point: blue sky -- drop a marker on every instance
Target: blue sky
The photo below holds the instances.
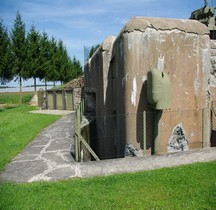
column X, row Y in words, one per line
column 80, row 23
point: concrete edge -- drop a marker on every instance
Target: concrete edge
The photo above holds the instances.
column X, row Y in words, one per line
column 138, row 164
column 52, row 112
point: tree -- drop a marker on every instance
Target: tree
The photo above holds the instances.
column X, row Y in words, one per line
column 48, row 59
column 77, row 68
column 6, row 74
column 19, row 50
column 63, row 62
column 92, row 50
column 44, row 56
column 52, row 73
column 33, row 54
column 74, row 69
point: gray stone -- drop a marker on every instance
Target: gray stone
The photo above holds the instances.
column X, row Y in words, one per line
column 62, row 173
column 25, row 157
column 130, row 150
column 23, row 171
column 59, row 144
column 57, row 158
column 32, row 150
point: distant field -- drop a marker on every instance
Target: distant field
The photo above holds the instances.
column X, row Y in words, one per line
column 17, row 93
column 14, row 98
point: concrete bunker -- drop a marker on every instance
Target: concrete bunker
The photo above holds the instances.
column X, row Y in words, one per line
column 117, row 76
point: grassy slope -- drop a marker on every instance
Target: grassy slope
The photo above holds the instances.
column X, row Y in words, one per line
column 186, row 187
column 17, row 128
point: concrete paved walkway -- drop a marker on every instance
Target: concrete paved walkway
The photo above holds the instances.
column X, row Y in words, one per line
column 48, row 158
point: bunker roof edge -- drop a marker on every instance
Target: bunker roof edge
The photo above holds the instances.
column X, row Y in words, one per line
column 139, row 23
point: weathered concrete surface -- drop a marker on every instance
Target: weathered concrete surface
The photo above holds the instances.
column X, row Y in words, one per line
column 187, row 26
column 179, row 48
column 213, row 71
column 48, row 158
column 135, row 164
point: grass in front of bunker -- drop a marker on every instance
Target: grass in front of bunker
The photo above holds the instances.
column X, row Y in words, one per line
column 185, row 187
column 17, row 128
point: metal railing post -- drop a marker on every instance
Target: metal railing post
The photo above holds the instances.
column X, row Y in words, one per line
column 76, row 137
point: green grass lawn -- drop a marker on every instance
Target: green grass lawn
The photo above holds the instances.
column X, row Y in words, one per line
column 186, row 187
column 17, row 128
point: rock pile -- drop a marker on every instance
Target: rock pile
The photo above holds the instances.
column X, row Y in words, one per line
column 76, row 83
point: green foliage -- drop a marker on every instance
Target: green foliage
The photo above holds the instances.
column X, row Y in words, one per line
column 26, row 98
column 61, row 67
column 25, row 55
column 5, row 55
column 53, row 72
column 43, row 56
column 33, row 51
column 93, row 49
column 73, row 70
column 77, row 70
column 17, row 128
column 187, row 187
column 19, row 48
column 62, row 62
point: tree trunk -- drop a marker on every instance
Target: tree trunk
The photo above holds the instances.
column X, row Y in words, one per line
column 35, row 85
column 45, row 84
column 20, row 90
